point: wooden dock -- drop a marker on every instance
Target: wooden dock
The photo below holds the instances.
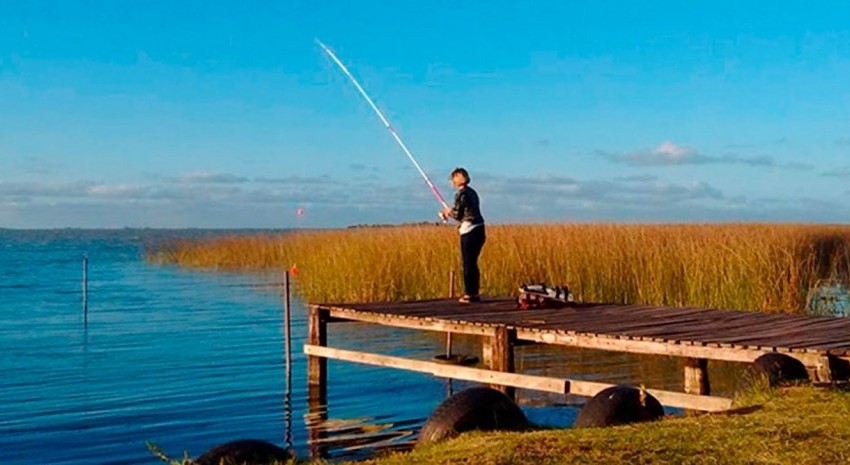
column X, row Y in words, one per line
column 695, row 334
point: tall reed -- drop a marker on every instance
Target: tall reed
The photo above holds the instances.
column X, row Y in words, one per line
column 766, row 267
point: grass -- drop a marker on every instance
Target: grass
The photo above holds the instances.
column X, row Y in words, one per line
column 765, row 267
column 799, row 426
column 794, row 426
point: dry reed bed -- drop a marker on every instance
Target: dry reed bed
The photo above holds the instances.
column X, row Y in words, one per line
column 767, row 267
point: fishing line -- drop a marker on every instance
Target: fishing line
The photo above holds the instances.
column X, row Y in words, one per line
column 386, row 123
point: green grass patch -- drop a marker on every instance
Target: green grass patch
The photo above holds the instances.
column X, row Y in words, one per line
column 801, row 425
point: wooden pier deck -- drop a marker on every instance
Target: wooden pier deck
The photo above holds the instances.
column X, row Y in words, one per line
column 695, row 334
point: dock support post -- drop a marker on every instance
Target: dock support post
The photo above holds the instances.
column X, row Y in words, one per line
column 317, row 382
column 317, row 367
column 823, row 369
column 501, row 355
column 696, row 376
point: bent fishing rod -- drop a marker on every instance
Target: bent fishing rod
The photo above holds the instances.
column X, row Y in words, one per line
column 386, row 123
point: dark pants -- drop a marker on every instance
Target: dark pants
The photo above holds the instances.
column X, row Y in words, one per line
column 470, row 248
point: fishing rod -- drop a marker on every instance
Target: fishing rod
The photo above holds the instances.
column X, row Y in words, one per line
column 387, row 124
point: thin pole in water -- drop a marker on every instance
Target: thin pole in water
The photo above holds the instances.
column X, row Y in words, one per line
column 287, row 335
column 287, row 323
column 85, row 290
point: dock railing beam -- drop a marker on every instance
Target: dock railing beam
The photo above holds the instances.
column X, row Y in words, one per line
column 537, row 383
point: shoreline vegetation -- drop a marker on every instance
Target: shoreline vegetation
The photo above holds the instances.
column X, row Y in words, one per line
column 803, row 425
column 761, row 267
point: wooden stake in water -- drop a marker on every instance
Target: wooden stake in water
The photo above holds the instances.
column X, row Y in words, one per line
column 287, row 335
column 287, row 323
column 85, row 290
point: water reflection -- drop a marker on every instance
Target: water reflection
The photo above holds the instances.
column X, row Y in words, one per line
column 359, row 437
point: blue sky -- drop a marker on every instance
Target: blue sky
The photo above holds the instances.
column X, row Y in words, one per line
column 227, row 114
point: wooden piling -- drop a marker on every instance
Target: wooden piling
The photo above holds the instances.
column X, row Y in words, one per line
column 696, row 376
column 823, row 369
column 317, row 383
column 502, row 356
column 487, row 351
column 317, row 334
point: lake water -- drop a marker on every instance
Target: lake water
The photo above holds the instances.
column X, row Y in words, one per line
column 188, row 360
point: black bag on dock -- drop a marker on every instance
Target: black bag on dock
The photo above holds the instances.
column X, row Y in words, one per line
column 543, row 296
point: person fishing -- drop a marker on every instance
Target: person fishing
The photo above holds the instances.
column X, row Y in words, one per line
column 467, row 212
column 466, row 209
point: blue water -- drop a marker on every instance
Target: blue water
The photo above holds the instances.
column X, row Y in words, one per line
column 188, row 360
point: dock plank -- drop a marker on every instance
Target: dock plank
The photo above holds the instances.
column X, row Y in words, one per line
column 700, row 328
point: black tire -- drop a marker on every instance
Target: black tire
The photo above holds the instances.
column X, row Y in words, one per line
column 244, row 452
column 476, row 408
column 778, row 369
column 619, row 405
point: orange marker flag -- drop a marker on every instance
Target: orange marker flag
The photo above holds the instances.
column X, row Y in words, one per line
column 294, row 270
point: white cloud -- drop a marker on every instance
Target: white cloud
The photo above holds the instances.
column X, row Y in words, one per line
column 259, row 203
column 640, row 192
column 640, row 199
column 120, row 191
column 671, row 154
column 298, row 180
column 637, row 178
column 224, row 189
column 213, row 178
column 674, row 153
column 842, row 172
column 667, row 153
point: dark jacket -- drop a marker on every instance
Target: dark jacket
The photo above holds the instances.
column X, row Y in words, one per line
column 466, row 206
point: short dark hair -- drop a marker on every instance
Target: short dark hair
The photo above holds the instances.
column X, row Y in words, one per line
column 461, row 172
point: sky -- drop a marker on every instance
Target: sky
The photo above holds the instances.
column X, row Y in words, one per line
column 227, row 114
